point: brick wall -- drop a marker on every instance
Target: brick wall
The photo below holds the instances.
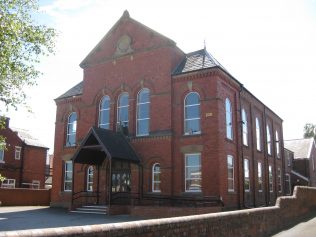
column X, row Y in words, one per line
column 253, row 222
column 24, row 197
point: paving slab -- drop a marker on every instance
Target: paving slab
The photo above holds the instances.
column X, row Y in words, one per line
column 303, row 229
column 38, row 217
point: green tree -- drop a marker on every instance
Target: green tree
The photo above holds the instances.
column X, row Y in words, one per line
column 22, row 44
column 310, row 130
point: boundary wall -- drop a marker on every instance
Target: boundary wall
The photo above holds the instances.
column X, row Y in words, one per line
column 257, row 222
column 24, row 197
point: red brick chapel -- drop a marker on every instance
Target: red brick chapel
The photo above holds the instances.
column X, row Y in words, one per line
column 152, row 125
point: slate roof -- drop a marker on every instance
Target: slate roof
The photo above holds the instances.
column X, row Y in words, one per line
column 28, row 139
column 197, row 60
column 300, row 147
column 115, row 143
column 74, row 91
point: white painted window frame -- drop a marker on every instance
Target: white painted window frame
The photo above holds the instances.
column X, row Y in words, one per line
column 185, row 175
column 244, row 127
column 139, row 120
column 17, row 152
column 153, row 178
column 65, row 175
column 102, row 110
column 246, row 175
column 230, row 167
column 194, row 118
column 258, row 134
column 229, row 119
column 119, row 107
column 90, row 173
column 260, row 180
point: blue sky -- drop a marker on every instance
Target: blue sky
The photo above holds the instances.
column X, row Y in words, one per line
column 269, row 46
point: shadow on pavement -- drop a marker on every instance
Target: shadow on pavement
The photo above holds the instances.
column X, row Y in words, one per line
column 21, row 218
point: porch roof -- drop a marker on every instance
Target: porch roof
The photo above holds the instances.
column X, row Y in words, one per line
column 100, row 144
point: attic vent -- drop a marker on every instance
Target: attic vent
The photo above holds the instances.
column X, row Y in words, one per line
column 123, row 45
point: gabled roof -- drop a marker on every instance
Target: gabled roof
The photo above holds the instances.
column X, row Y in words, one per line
column 301, row 147
column 27, row 138
column 100, row 144
column 299, row 175
column 124, row 17
column 74, row 91
column 195, row 61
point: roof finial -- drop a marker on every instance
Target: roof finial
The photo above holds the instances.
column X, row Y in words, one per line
column 204, row 44
column 126, row 14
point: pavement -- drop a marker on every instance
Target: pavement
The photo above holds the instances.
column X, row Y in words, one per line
column 38, row 217
column 303, row 229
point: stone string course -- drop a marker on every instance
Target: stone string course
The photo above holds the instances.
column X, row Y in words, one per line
column 251, row 222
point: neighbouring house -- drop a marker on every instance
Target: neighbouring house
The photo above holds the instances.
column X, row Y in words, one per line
column 304, row 168
column 152, row 125
column 288, row 166
column 23, row 160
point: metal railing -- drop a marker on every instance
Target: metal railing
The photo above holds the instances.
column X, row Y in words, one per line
column 126, row 198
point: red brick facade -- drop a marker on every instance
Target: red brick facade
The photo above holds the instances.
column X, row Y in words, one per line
column 149, row 62
column 29, row 166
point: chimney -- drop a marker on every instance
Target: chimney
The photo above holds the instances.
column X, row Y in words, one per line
column 7, row 122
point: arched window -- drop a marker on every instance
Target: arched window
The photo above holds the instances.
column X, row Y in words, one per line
column 156, row 178
column 71, row 129
column 122, row 110
column 104, row 112
column 143, row 112
column 258, row 135
column 277, row 144
column 244, row 127
column 90, row 179
column 192, row 113
column 229, row 119
column 268, row 140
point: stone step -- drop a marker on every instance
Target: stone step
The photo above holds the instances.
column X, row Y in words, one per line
column 92, row 209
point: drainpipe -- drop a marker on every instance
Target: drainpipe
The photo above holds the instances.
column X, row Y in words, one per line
column 73, row 184
column 241, row 157
column 253, row 157
column 266, row 160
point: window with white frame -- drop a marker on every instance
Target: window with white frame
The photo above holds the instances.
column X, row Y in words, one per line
column 71, row 129
column 244, row 127
column 258, row 135
column 287, row 184
column 90, row 179
column 268, row 140
column 246, row 175
column 192, row 114
column 270, row 179
column 230, row 173
column 277, row 144
column 36, row 184
column 17, row 154
column 104, row 112
column 1, row 155
column 279, row 180
column 8, row 183
column 193, row 172
column 260, row 181
column 122, row 109
column 156, row 178
column 289, row 158
column 143, row 112
column 68, row 176
column 229, row 119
